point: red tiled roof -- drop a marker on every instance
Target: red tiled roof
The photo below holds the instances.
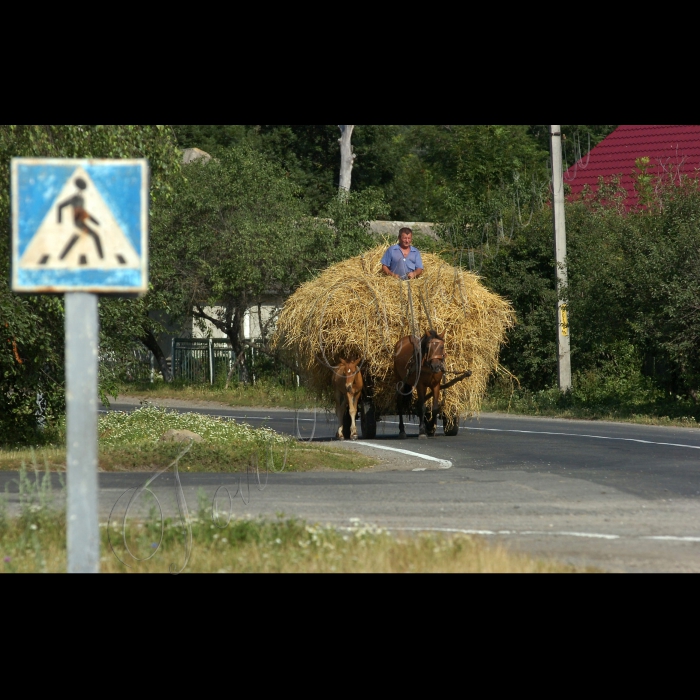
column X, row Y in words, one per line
column 673, row 148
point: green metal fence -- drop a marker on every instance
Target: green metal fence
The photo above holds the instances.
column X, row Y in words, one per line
column 192, row 359
column 200, row 360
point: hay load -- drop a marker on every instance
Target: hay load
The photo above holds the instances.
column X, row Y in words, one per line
column 352, row 309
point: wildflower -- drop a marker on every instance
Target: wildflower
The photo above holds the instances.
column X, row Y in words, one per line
column 154, row 545
column 7, row 560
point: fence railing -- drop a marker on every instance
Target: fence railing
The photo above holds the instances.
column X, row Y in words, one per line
column 193, row 359
column 201, row 360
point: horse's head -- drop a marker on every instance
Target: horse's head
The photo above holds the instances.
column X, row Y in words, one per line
column 433, row 351
column 349, row 370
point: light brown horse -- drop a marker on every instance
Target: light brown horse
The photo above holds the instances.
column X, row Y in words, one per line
column 347, row 381
column 420, row 363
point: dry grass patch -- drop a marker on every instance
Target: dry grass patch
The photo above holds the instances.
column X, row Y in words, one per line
column 259, row 546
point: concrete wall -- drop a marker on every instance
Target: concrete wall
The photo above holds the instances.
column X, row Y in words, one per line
column 251, row 324
column 391, row 228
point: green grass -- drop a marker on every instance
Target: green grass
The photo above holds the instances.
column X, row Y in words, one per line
column 266, row 393
column 594, row 399
column 131, row 442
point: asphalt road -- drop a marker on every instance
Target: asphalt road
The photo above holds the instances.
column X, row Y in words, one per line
column 617, row 496
column 647, row 461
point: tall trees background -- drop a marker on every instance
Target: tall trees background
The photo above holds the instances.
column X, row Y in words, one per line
column 264, row 215
column 420, row 170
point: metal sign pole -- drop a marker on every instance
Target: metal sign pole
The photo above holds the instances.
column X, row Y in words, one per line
column 83, row 529
column 563, row 355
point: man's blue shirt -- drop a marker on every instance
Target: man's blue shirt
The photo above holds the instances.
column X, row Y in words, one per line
column 397, row 264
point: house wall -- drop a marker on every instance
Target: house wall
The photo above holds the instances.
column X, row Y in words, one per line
column 251, row 323
column 391, row 228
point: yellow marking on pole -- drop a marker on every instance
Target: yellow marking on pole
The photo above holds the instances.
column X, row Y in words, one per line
column 564, row 320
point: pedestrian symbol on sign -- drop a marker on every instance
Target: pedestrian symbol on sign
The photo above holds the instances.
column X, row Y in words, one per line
column 79, row 218
column 79, row 231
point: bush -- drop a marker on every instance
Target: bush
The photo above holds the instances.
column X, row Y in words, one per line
column 634, row 282
column 31, row 327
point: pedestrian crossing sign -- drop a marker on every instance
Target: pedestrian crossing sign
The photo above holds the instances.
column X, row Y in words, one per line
column 79, row 225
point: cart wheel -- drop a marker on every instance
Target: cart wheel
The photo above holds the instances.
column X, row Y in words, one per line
column 450, row 426
column 368, row 422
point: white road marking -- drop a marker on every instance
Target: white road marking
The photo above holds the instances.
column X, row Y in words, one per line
column 444, row 463
column 592, row 535
column 597, row 437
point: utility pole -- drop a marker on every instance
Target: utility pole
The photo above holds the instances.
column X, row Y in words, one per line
column 346, row 156
column 563, row 351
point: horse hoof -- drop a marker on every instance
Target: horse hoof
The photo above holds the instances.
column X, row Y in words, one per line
column 353, row 437
column 341, row 438
column 422, row 436
column 402, row 436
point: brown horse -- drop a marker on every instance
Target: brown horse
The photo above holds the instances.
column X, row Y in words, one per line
column 347, row 381
column 419, row 363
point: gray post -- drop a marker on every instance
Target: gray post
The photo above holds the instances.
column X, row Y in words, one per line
column 83, row 530
column 563, row 355
column 211, row 361
column 172, row 358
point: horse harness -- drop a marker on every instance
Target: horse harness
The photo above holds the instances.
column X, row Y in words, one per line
column 432, row 362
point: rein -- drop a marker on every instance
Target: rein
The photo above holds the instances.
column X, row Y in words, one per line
column 435, row 358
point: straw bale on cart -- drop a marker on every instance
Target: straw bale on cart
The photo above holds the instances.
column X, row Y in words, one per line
column 353, row 309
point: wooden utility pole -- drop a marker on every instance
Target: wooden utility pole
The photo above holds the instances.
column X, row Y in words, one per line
column 563, row 354
column 346, row 156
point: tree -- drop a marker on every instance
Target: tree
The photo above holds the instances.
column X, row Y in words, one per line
column 309, row 154
column 591, row 134
column 237, row 233
column 31, row 351
column 417, row 168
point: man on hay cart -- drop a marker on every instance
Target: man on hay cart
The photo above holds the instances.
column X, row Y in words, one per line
column 402, row 260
